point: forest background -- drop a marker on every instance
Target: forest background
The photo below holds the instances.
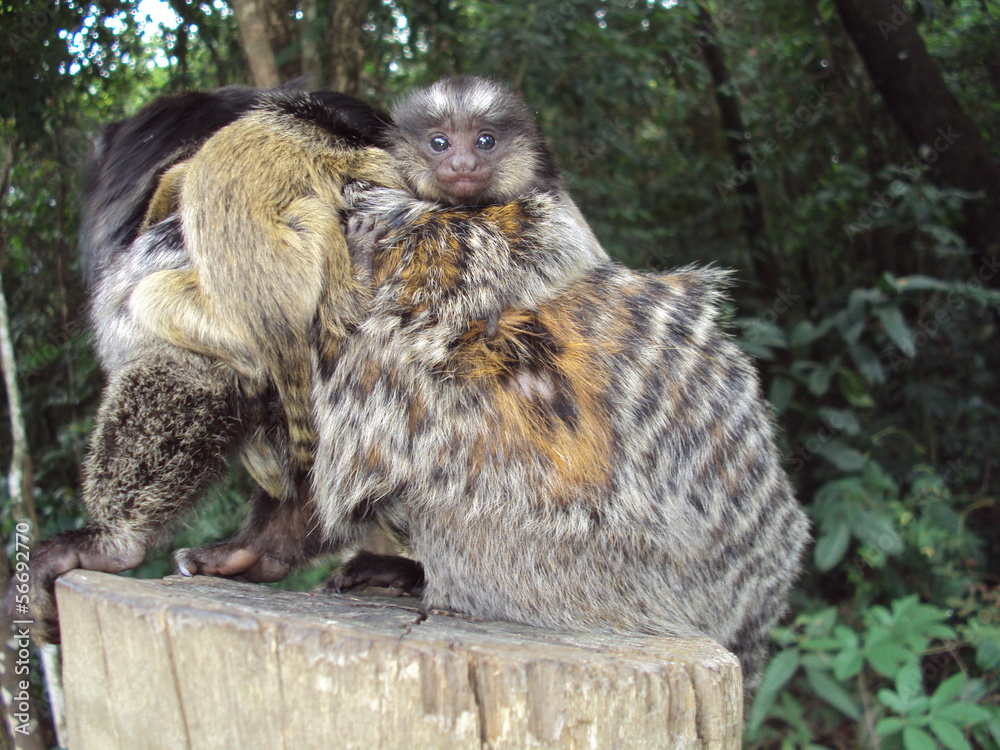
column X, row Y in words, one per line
column 842, row 155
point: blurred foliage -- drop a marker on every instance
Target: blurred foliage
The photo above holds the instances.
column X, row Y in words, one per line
column 878, row 350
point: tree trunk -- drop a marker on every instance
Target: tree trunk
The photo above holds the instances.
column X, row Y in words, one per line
column 19, row 481
column 943, row 136
column 345, row 40
column 744, row 182
column 252, row 20
column 311, row 58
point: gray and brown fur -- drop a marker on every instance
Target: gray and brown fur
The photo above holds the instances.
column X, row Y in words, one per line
column 521, row 164
column 171, row 420
column 606, row 462
column 259, row 205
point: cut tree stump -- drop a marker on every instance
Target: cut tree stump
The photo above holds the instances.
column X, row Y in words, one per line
column 207, row 663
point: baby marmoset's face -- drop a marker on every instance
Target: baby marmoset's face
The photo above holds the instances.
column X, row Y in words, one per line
column 470, row 141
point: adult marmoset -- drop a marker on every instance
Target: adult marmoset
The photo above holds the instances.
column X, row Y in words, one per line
column 605, row 461
column 171, row 419
column 259, row 204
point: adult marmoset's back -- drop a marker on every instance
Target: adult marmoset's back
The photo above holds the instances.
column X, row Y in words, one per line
column 605, row 461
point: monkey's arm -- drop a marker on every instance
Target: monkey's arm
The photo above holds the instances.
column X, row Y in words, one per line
column 166, row 199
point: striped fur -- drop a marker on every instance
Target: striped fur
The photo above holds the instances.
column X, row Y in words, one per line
column 604, row 462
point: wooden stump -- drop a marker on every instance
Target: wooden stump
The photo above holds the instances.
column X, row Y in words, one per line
column 207, row 663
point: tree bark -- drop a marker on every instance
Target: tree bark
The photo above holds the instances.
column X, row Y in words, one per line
column 943, row 136
column 251, row 18
column 345, row 41
column 311, row 58
column 19, row 481
column 754, row 223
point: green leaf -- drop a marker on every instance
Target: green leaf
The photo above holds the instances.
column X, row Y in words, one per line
column 804, row 333
column 833, row 693
column 844, row 458
column 819, row 379
column 878, row 478
column 861, row 297
column 963, row 713
column 889, row 726
column 891, row 700
column 897, row 329
column 780, row 670
column 780, row 394
column 868, row 364
column 755, row 350
column 917, row 283
column 847, row 636
column 886, row 658
column 909, row 684
column 823, row 622
column 948, row 691
column 847, row 664
column 918, row 739
column 950, row 735
column 831, row 545
column 987, row 642
column 840, row 420
column 762, row 332
column 854, row 390
column 878, row 531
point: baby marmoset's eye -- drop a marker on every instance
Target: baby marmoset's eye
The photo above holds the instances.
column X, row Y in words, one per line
column 439, row 143
column 486, row 142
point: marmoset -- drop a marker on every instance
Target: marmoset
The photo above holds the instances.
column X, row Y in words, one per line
column 605, row 461
column 171, row 419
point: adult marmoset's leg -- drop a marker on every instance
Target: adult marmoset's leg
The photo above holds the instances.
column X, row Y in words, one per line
column 277, row 536
column 164, row 433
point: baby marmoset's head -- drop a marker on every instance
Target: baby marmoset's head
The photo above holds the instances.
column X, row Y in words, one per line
column 470, row 141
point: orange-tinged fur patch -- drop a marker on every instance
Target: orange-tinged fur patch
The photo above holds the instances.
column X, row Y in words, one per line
column 577, row 444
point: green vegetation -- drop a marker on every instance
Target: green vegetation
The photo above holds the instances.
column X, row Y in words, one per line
column 876, row 336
